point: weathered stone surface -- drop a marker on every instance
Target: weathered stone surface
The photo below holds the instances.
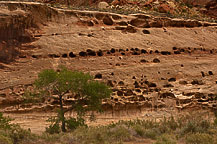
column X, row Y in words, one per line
column 164, row 8
column 90, row 42
column 103, row 5
column 107, row 20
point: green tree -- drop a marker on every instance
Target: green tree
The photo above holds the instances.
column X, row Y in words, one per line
column 87, row 92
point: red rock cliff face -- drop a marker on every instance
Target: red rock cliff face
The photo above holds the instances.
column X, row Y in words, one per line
column 17, row 24
column 12, row 33
column 197, row 2
column 212, row 8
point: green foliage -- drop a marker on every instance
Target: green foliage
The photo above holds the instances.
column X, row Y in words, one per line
column 54, row 127
column 5, row 122
column 215, row 120
column 167, row 131
column 5, row 140
column 18, row 134
column 166, row 139
column 87, row 92
column 73, row 123
column 32, row 97
column 194, row 126
column 199, row 138
column 12, row 133
column 102, row 134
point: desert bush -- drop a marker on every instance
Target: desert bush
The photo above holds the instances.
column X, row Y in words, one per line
column 120, row 133
column 18, row 135
column 151, row 133
column 5, row 122
column 5, row 140
column 53, row 128
column 195, row 126
column 90, row 135
column 140, row 131
column 189, row 129
column 199, row 138
column 73, row 123
column 101, row 134
column 12, row 133
column 166, row 139
column 215, row 120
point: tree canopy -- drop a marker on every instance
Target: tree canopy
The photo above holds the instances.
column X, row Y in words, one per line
column 87, row 92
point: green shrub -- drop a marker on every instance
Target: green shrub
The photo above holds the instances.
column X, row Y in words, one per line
column 12, row 132
column 5, row 122
column 120, row 133
column 5, row 140
column 166, row 139
column 215, row 121
column 53, row 128
column 195, row 126
column 199, row 138
column 140, row 131
column 86, row 135
column 73, row 123
column 151, row 133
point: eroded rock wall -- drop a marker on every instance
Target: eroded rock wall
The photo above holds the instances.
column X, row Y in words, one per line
column 146, row 60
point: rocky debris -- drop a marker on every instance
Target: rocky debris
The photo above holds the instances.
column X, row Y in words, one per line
column 150, row 84
column 64, row 55
column 211, row 9
column 156, row 60
column 99, row 53
column 146, row 31
column 120, row 2
column 130, row 29
column 165, row 8
column 167, row 95
column 91, row 52
column 165, row 53
column 72, row 55
column 183, row 82
column 82, row 53
column 168, row 85
column 171, row 79
column 140, row 23
column 98, row 76
column 210, row 73
column 112, row 50
column 103, row 5
column 110, row 83
column 121, row 83
column 197, row 82
column 143, row 61
column 107, row 20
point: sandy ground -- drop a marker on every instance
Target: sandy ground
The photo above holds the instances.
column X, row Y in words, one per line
column 36, row 122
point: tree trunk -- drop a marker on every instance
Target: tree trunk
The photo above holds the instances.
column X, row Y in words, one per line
column 62, row 117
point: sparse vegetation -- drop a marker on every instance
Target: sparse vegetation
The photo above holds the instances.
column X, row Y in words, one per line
column 12, row 133
column 166, row 131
